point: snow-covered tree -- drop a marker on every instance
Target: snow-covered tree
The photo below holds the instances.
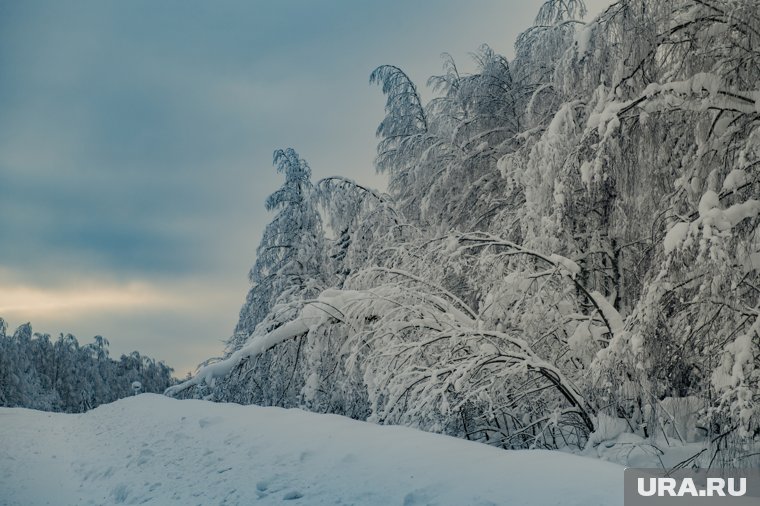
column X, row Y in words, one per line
column 64, row 376
column 289, row 259
column 569, row 250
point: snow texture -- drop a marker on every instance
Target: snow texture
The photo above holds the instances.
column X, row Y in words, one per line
column 735, row 179
column 567, row 265
column 150, row 449
column 609, row 312
column 675, row 237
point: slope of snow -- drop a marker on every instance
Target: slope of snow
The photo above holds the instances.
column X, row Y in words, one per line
column 152, row 449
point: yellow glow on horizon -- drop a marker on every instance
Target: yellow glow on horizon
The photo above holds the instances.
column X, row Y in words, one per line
column 24, row 301
column 136, row 314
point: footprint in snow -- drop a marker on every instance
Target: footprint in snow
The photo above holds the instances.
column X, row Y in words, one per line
column 205, row 422
column 144, row 457
column 120, row 493
column 292, row 495
column 416, row 497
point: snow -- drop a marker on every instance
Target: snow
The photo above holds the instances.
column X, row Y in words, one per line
column 583, row 39
column 694, row 85
column 725, row 219
column 569, row 267
column 607, row 429
column 709, row 201
column 675, row 237
column 734, row 180
column 732, row 379
column 609, row 312
column 586, row 173
column 151, row 449
column 711, row 216
column 705, row 81
column 560, row 122
column 559, row 195
column 503, row 164
column 313, row 314
column 740, row 212
column 331, row 304
column 582, row 339
column 680, row 418
column 606, row 121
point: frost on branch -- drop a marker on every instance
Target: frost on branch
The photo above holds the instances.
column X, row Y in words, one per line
column 568, row 253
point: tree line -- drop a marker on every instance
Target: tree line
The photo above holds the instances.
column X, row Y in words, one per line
column 38, row 372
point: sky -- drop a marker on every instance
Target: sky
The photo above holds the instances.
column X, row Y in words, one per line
column 136, row 144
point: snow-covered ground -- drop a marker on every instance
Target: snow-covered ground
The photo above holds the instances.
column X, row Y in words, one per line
column 152, row 449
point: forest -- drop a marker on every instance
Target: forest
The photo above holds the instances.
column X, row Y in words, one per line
column 567, row 255
column 61, row 375
column 568, row 250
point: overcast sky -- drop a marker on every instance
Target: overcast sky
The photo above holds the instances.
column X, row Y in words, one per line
column 136, row 140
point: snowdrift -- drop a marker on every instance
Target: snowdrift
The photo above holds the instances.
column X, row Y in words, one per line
column 151, row 449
